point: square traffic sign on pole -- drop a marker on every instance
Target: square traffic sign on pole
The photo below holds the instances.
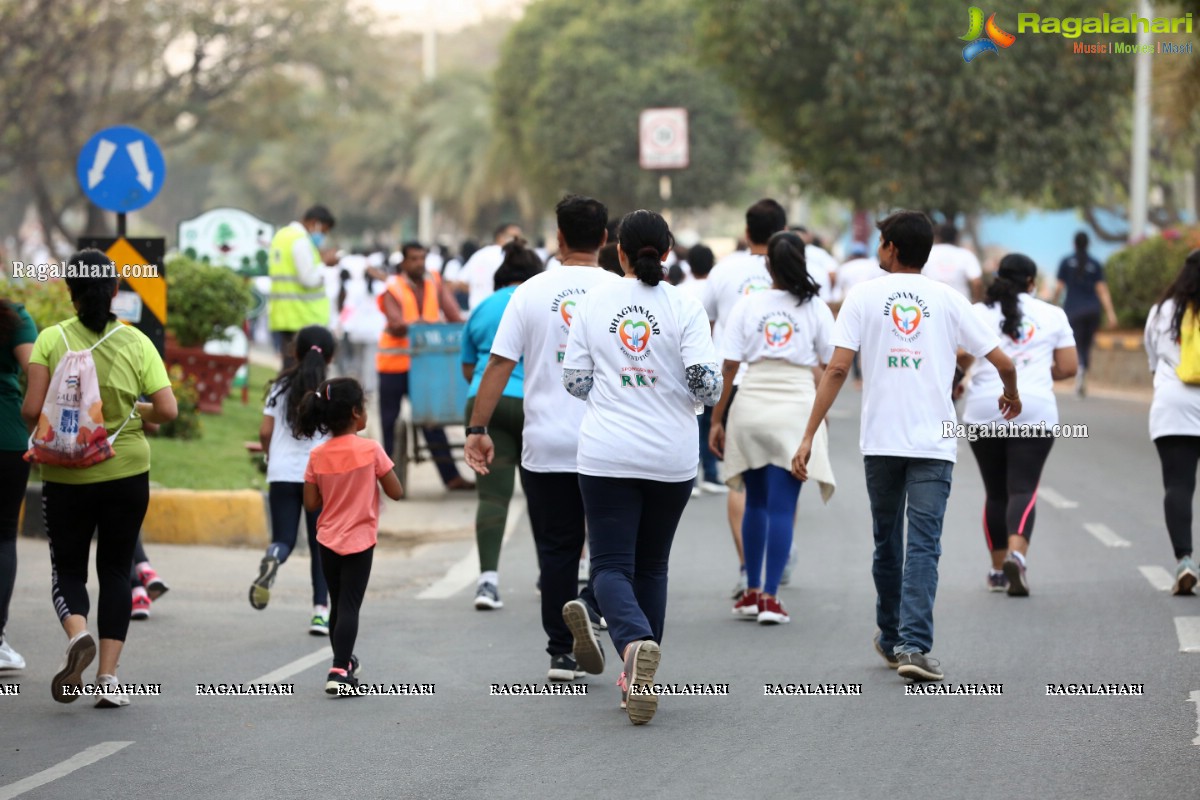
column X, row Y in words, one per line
column 663, row 138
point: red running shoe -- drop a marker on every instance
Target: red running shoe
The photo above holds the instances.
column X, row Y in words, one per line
column 747, row 607
column 772, row 612
column 156, row 587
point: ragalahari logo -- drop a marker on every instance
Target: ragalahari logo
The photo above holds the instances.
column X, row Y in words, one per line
column 634, row 335
column 906, row 318
column 993, row 39
column 778, row 333
column 567, row 310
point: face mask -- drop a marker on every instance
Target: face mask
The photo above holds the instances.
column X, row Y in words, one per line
column 318, row 238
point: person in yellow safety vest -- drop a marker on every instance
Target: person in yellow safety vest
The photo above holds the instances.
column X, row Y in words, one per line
column 413, row 295
column 298, row 297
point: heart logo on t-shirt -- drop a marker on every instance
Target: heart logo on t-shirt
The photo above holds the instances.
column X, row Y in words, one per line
column 567, row 310
column 635, row 335
column 1025, row 332
column 778, row 333
column 906, row 318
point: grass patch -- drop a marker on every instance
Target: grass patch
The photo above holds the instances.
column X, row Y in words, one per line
column 218, row 459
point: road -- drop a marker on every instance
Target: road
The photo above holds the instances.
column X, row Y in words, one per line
column 1094, row 617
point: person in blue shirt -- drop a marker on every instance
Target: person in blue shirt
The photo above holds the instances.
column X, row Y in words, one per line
column 496, row 487
column 1081, row 278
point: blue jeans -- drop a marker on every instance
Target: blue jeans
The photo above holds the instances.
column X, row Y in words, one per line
column 906, row 578
column 708, row 462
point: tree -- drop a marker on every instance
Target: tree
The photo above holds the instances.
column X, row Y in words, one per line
column 571, row 86
column 873, row 102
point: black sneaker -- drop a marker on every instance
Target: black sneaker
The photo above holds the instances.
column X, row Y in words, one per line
column 589, row 655
column 341, row 685
column 919, row 667
column 260, row 590
column 355, row 667
column 640, row 666
column 487, row 597
column 564, row 668
column 887, row 655
column 597, row 621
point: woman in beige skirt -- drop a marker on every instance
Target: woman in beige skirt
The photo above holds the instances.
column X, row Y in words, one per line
column 783, row 335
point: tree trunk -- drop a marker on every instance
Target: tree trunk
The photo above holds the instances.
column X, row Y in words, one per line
column 97, row 222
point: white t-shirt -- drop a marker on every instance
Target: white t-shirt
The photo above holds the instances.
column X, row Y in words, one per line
column 287, row 456
column 820, row 265
column 535, row 327
column 908, row 329
column 640, row 419
column 770, row 325
column 1175, row 410
column 954, row 266
column 480, row 273
column 854, row 272
column 1044, row 329
column 694, row 286
column 733, row 277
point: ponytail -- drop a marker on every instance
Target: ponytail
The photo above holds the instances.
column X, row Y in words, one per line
column 1081, row 254
column 92, row 291
column 1012, row 278
column 788, row 266
column 330, row 408
column 644, row 237
column 1184, row 291
column 314, row 350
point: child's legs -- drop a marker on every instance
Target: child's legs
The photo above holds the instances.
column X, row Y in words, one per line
column 348, row 576
column 286, row 501
column 320, row 589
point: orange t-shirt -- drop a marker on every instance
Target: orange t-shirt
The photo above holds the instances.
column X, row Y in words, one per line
column 347, row 470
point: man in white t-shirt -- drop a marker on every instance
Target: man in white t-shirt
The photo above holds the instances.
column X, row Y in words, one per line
column 535, row 328
column 955, row 266
column 480, row 270
column 739, row 274
column 909, row 330
column 822, row 266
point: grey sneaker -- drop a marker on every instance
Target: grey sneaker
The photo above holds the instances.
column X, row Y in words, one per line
column 487, row 597
column 886, row 655
column 997, row 581
column 589, row 655
column 919, row 667
column 260, row 590
column 80, row 652
column 640, row 666
column 564, row 668
column 1018, row 583
column 1186, row 576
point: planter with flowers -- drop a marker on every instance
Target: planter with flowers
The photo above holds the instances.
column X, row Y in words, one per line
column 202, row 301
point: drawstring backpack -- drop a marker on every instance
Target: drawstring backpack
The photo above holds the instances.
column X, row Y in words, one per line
column 1189, row 348
column 70, row 430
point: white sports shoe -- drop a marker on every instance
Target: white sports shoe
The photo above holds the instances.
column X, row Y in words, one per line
column 9, row 658
column 708, row 487
column 110, row 699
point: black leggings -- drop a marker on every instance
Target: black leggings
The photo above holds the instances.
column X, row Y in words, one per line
column 114, row 512
column 1179, row 456
column 1084, row 326
column 286, row 500
column 1011, row 469
column 347, row 577
column 14, row 474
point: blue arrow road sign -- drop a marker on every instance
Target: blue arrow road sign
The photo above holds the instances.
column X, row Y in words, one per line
column 121, row 169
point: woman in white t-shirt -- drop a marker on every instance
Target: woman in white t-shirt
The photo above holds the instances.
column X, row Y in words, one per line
column 1175, row 414
column 1037, row 337
column 783, row 335
column 641, row 354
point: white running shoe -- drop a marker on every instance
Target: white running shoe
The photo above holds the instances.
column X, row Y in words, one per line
column 319, row 625
column 110, row 699
column 9, row 658
column 708, row 487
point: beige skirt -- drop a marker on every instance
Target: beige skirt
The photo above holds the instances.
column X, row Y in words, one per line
column 767, row 422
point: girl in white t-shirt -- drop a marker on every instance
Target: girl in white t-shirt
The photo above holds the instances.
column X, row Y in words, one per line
column 286, row 450
column 783, row 335
column 641, row 354
column 1175, row 415
column 1038, row 339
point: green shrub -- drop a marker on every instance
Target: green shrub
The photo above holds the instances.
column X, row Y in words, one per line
column 1138, row 274
column 48, row 302
column 187, row 424
column 203, row 300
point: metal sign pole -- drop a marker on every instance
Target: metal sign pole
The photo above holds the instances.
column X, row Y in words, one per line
column 121, row 225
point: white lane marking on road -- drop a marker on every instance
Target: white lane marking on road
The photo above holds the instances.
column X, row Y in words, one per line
column 1159, row 578
column 295, row 667
column 1105, row 535
column 465, row 571
column 62, row 769
column 1054, row 498
column 1188, row 631
column 1194, row 697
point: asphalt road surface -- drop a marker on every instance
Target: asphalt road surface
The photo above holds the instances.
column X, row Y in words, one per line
column 1097, row 615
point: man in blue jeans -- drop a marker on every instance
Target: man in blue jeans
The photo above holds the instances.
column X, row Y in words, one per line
column 908, row 330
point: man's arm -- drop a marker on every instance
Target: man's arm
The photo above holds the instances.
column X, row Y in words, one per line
column 396, row 325
column 450, row 309
column 479, row 450
column 308, row 269
column 831, row 384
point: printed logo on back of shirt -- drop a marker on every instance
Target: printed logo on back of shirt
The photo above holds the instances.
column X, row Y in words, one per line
column 564, row 307
column 633, row 327
column 1025, row 332
column 906, row 311
column 567, row 310
column 778, row 334
column 756, row 283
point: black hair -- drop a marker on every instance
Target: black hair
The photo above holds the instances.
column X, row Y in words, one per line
column 411, row 245
column 10, row 320
column 582, row 221
column 701, row 259
column 764, row 219
column 1012, row 278
column 93, row 294
column 468, row 248
column 645, row 237
column 608, row 259
column 330, row 409
column 502, row 228
column 912, row 233
column 320, row 214
column 1184, row 291
column 675, row 274
column 789, row 267
column 519, row 265
column 313, row 350
column 1081, row 253
column 947, row 233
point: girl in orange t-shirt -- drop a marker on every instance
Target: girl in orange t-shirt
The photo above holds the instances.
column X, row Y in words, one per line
column 342, row 480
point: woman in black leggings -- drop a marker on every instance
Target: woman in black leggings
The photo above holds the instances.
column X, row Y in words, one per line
column 109, row 497
column 1039, row 340
column 1175, row 411
column 17, row 334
